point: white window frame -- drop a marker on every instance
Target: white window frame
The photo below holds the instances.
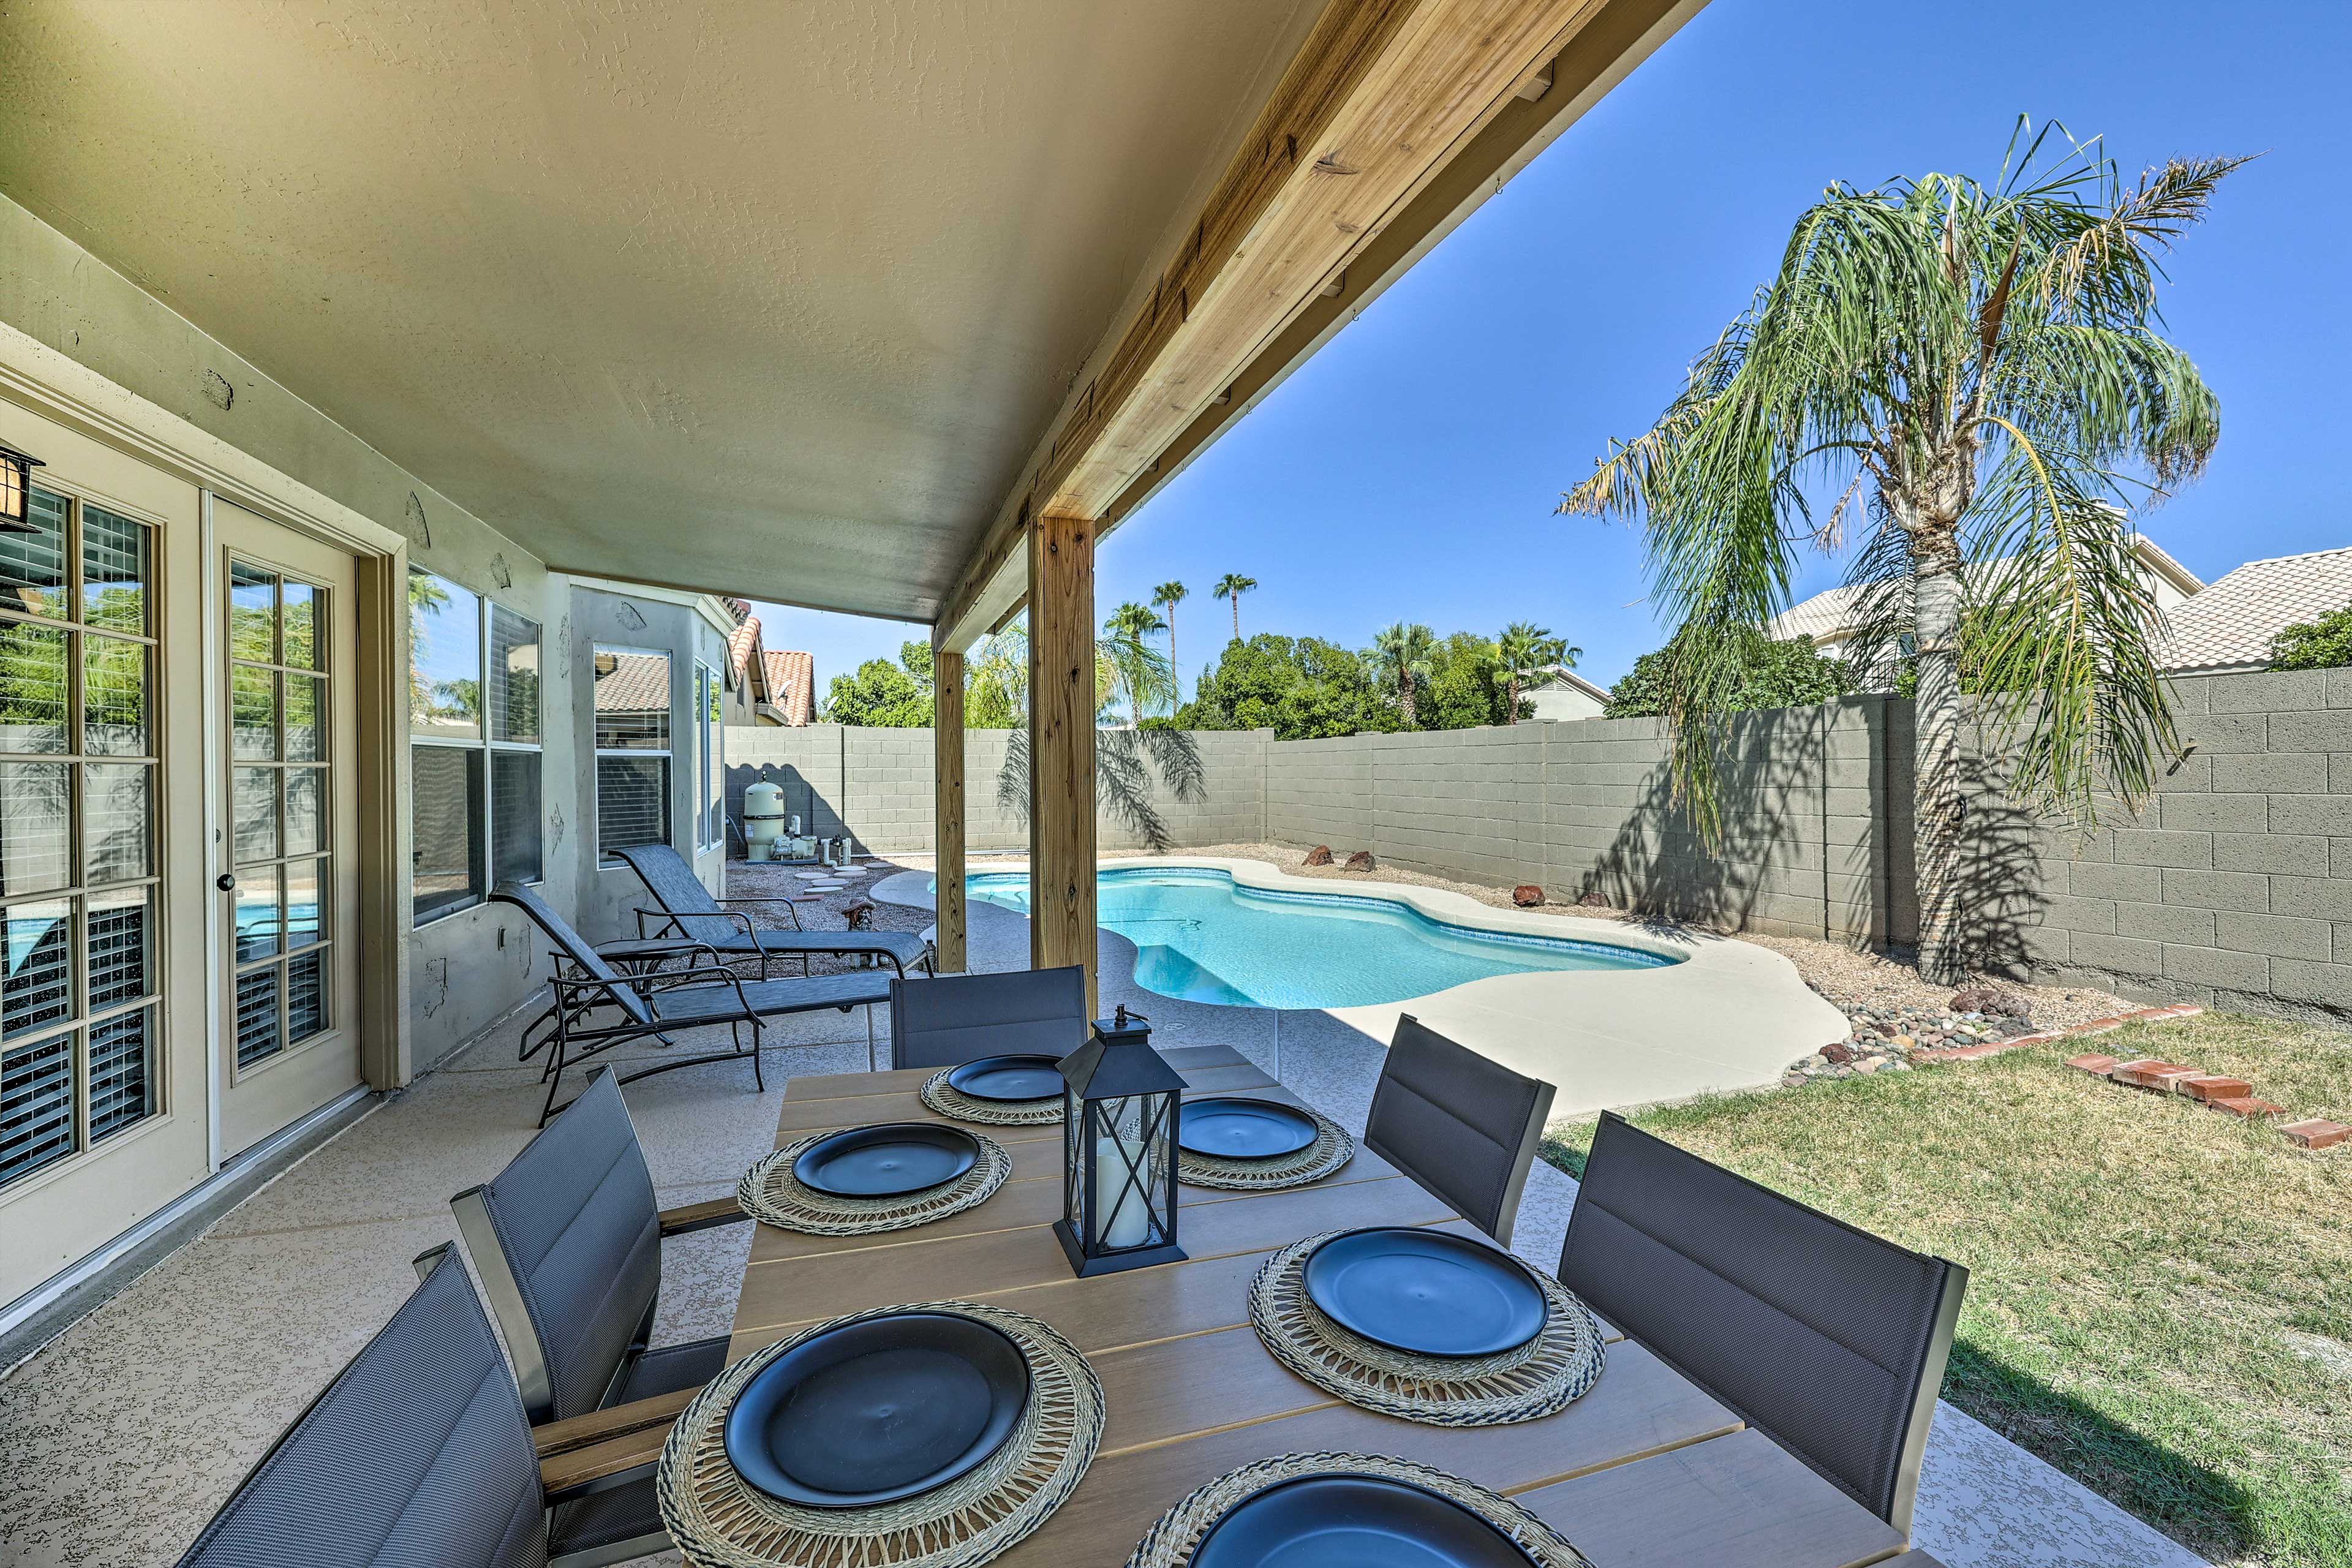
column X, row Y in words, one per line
column 486, row 866
column 709, row 694
column 668, row 753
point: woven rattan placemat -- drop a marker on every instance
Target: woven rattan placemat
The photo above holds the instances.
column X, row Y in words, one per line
column 952, row 1102
column 1170, row 1542
column 1537, row 1378
column 1332, row 1148
column 771, row 1194
column 720, row 1520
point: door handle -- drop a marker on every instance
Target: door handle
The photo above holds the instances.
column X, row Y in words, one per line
column 225, row 881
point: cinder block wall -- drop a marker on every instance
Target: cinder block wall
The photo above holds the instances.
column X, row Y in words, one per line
column 877, row 785
column 2233, row 887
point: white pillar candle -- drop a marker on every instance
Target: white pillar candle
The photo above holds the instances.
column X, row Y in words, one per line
column 1128, row 1217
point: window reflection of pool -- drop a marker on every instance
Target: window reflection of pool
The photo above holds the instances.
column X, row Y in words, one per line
column 1201, row 937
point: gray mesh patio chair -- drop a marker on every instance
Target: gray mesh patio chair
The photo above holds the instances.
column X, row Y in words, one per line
column 568, row 1244
column 1824, row 1337
column 957, row 1018
column 597, row 1008
column 418, row 1456
column 688, row 910
column 1462, row 1126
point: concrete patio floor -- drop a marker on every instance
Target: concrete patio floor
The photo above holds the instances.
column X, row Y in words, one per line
column 120, row 1438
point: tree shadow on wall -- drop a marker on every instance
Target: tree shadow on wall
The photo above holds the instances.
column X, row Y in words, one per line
column 1126, row 762
column 1659, row 868
column 2002, row 845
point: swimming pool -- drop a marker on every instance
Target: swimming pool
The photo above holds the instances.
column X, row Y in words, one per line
column 1201, row 937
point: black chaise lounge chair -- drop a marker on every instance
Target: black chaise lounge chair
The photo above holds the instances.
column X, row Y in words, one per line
column 688, row 910
column 957, row 1018
column 1829, row 1341
column 1462, row 1126
column 418, row 1454
column 597, row 1008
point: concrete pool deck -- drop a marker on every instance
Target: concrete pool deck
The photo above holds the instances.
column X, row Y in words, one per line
column 1726, row 1015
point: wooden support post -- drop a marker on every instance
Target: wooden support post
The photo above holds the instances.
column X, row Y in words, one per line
column 1062, row 745
column 947, row 735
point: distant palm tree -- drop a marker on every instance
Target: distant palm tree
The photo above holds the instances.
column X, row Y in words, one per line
column 1144, row 671
column 1167, row 596
column 1233, row 586
column 1982, row 364
column 1403, row 652
column 1528, row 651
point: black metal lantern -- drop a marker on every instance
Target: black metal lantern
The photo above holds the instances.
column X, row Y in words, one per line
column 17, row 488
column 1119, row 1106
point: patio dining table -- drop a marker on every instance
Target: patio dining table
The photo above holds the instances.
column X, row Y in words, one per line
column 1644, row 1469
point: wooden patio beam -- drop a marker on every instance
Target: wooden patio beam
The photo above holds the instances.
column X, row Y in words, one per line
column 1381, row 99
column 1061, row 561
column 948, row 808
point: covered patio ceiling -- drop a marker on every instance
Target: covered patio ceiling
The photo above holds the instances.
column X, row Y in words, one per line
column 796, row 302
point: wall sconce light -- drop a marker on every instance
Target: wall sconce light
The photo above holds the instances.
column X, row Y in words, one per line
column 17, row 488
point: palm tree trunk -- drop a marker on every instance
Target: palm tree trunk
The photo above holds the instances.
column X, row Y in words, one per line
column 1237, row 618
column 1511, row 714
column 1404, row 698
column 1937, row 807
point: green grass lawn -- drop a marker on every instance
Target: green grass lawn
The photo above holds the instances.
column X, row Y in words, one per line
column 2160, row 1301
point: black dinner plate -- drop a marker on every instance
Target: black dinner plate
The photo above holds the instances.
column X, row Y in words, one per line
column 1008, row 1079
column 1353, row 1521
column 1425, row 1292
column 879, row 1410
column 1244, row 1128
column 887, row 1160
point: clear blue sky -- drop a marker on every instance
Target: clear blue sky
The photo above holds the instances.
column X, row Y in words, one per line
column 1410, row 469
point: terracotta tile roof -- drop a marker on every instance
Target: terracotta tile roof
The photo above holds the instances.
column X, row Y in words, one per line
column 2230, row 626
column 638, row 683
column 739, row 644
column 792, row 685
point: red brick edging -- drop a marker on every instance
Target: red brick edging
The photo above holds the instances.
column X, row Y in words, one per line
column 2095, row 1026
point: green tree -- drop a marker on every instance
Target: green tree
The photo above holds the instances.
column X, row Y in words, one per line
column 996, row 681
column 1401, row 653
column 1140, row 670
column 1981, row 365
column 883, row 695
column 1466, row 686
column 1233, row 586
column 1167, row 596
column 2322, row 643
column 1530, row 651
column 1771, row 675
column 1301, row 689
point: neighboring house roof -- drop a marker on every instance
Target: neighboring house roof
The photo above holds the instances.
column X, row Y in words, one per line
column 1834, row 615
column 791, row 679
column 1562, row 678
column 2230, row 626
column 741, row 643
column 638, row 683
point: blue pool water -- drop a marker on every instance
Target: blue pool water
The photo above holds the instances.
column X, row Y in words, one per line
column 1201, row 937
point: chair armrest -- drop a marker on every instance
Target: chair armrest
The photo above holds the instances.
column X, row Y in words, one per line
column 700, row 1216
column 606, row 1443
column 790, row 908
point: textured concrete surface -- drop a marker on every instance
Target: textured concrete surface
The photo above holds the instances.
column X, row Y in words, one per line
column 1725, row 1014
column 121, row 1438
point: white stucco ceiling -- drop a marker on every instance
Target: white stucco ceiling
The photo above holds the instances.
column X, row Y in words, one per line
column 766, row 297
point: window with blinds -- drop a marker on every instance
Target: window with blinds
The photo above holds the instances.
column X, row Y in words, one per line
column 474, row 725
column 79, row 1028
column 633, row 748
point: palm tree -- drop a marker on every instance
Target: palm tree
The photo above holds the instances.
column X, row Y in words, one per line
column 1403, row 652
column 1528, row 651
column 1983, row 364
column 1167, row 596
column 1233, row 586
column 1143, row 671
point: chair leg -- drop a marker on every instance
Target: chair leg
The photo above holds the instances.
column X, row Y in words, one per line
column 759, row 1077
column 554, row 1076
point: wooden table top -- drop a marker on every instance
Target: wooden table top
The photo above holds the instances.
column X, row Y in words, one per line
column 1644, row 1471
